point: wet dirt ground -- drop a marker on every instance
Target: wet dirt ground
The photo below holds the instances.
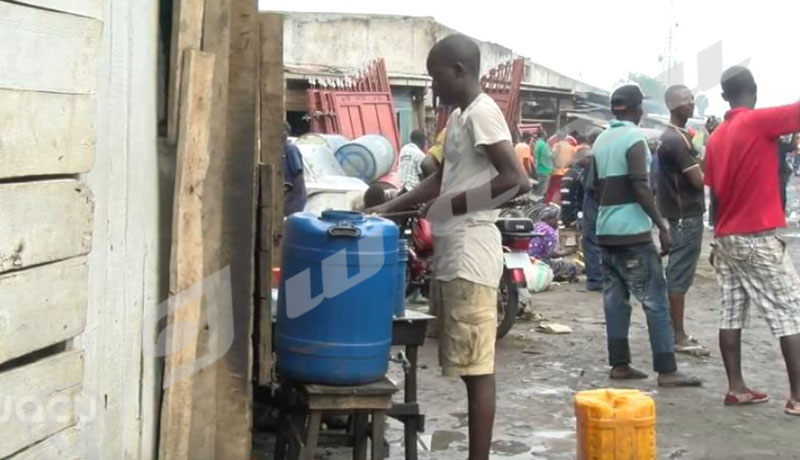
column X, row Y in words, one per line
column 538, row 374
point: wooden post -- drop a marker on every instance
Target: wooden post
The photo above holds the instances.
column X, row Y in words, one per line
column 187, row 31
column 272, row 119
column 186, row 266
column 558, row 113
column 234, row 199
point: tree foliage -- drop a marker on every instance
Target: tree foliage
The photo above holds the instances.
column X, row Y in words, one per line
column 651, row 87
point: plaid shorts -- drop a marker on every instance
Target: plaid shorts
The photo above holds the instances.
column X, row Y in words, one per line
column 756, row 270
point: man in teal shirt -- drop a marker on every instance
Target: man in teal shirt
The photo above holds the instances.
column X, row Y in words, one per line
column 631, row 264
column 544, row 163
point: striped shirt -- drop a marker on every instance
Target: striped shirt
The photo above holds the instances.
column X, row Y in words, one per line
column 620, row 219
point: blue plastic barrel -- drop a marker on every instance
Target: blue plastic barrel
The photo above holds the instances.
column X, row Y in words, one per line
column 400, row 289
column 369, row 157
column 335, row 306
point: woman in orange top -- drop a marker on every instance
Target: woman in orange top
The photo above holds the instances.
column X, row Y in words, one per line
column 525, row 154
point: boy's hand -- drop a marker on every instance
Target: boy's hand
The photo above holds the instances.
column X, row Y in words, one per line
column 380, row 209
column 666, row 241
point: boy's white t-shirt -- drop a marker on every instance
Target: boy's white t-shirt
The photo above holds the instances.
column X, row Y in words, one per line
column 469, row 246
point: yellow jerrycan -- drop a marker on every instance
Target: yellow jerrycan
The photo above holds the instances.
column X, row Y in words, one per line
column 615, row 425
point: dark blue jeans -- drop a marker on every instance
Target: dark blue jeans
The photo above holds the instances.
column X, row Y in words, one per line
column 591, row 250
column 637, row 270
column 592, row 257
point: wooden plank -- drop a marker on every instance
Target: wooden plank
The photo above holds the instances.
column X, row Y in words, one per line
column 272, row 119
column 44, row 222
column 45, row 133
column 187, row 33
column 88, row 8
column 33, row 388
column 48, row 51
column 216, row 40
column 233, row 386
column 62, row 446
column 186, row 266
column 42, row 306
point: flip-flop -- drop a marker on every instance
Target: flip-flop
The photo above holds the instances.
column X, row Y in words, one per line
column 743, row 399
column 792, row 407
column 632, row 374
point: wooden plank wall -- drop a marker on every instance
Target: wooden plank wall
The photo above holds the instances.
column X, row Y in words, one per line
column 78, row 241
column 47, row 113
column 38, row 386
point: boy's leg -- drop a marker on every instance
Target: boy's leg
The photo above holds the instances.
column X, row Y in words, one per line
column 617, row 308
column 773, row 285
column 734, row 309
column 730, row 346
column 481, row 402
column 790, row 345
column 644, row 275
column 468, row 314
column 640, row 266
column 687, row 242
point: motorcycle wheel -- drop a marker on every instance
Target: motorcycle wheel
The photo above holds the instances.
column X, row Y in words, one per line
column 507, row 307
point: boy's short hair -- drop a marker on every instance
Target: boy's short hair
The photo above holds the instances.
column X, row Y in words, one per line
column 458, row 49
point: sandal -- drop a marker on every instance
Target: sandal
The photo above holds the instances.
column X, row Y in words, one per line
column 630, row 374
column 743, row 399
column 792, row 407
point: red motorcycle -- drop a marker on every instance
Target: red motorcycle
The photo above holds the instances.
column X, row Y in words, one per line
column 516, row 233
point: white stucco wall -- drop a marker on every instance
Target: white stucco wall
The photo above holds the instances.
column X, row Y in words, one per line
column 124, row 263
column 351, row 40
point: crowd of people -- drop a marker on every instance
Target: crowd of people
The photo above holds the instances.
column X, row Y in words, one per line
column 620, row 190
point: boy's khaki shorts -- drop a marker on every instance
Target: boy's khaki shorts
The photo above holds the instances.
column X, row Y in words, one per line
column 467, row 326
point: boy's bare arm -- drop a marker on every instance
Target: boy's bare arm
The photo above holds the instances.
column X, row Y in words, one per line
column 511, row 180
column 427, row 190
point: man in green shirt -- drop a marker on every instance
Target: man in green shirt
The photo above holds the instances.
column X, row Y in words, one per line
column 544, row 163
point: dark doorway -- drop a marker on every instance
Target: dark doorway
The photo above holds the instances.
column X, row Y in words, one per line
column 299, row 122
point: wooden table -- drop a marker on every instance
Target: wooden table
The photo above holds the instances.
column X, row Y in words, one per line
column 409, row 331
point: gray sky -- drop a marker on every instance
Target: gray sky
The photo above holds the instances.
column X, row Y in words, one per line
column 600, row 42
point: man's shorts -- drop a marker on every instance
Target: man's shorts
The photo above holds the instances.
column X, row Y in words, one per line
column 687, row 243
column 467, row 320
column 755, row 270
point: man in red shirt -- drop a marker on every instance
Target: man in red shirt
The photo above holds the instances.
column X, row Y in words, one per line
column 752, row 265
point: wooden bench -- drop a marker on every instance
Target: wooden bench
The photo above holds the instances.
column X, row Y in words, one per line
column 303, row 406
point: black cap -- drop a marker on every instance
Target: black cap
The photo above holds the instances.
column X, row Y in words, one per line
column 626, row 97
